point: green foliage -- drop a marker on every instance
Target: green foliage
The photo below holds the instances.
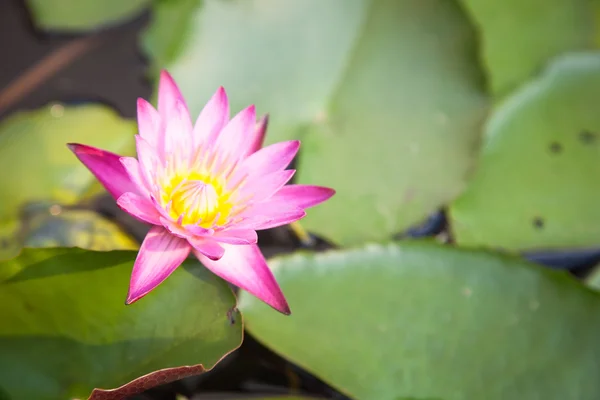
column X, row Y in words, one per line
column 519, row 37
column 391, row 99
column 66, row 329
column 82, row 15
column 428, row 321
column 538, row 178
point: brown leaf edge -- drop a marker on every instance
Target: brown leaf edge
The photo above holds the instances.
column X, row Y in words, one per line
column 160, row 377
column 145, row 382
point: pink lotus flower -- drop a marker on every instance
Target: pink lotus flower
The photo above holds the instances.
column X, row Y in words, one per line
column 206, row 189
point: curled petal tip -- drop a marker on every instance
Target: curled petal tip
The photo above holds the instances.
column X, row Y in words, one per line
column 264, row 120
column 164, row 74
column 259, row 133
column 286, row 310
column 133, row 296
column 220, row 98
column 131, row 299
column 329, row 192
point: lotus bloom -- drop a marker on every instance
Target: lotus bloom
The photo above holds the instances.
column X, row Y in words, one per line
column 205, row 189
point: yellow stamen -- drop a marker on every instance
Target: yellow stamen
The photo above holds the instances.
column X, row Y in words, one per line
column 302, row 234
column 197, row 200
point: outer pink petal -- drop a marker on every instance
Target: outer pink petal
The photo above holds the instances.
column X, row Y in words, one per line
column 245, row 267
column 132, row 167
column 149, row 123
column 270, row 159
column 150, row 164
column 208, row 248
column 212, row 119
column 139, row 207
column 269, row 215
column 236, row 236
column 302, row 196
column 237, row 136
column 106, row 167
column 161, row 253
column 260, row 188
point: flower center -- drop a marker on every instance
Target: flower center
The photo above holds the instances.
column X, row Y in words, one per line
column 197, row 201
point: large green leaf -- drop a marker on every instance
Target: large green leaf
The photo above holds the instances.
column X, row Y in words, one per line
column 520, row 36
column 42, row 169
column 77, row 15
column 65, row 329
column 387, row 110
column 429, row 321
column 538, row 179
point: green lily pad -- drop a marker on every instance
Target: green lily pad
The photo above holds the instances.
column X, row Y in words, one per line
column 425, row 321
column 520, row 36
column 51, row 226
column 538, row 178
column 66, row 329
column 77, row 228
column 42, row 169
column 593, row 279
column 399, row 136
column 78, row 15
column 388, row 112
column 11, row 240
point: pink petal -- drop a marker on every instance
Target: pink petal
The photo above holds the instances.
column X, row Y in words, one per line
column 161, row 253
column 245, row 267
column 132, row 167
column 259, row 188
column 270, row 159
column 236, row 137
column 212, row 119
column 236, row 236
column 259, row 135
column 106, row 167
column 168, row 95
column 178, row 131
column 269, row 215
column 208, row 248
column 139, row 207
column 303, row 196
column 148, row 160
column 184, row 232
column 149, row 123
column 199, row 231
column 175, row 116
